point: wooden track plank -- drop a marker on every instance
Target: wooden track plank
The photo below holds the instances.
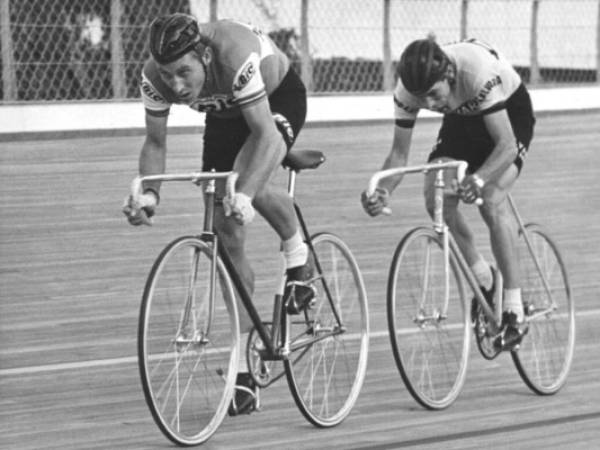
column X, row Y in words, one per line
column 72, row 272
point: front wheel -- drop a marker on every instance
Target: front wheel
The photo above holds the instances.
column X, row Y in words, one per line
column 188, row 341
column 427, row 322
column 330, row 341
column 544, row 357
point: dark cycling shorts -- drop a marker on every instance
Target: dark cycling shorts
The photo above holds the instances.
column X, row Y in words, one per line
column 224, row 137
column 467, row 138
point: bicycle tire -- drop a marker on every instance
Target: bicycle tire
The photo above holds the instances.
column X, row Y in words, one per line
column 188, row 356
column 325, row 377
column 430, row 340
column 544, row 357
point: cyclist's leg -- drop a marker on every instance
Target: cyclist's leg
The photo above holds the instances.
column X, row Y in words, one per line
column 233, row 238
column 277, row 207
column 288, row 106
column 503, row 227
column 223, row 139
column 454, row 143
column 496, row 210
column 497, row 215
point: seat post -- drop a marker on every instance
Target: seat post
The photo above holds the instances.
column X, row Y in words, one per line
column 209, row 191
column 291, row 182
column 438, row 209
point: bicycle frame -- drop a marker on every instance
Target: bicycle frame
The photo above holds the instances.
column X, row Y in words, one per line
column 277, row 342
column 274, row 350
column 450, row 247
column 449, row 244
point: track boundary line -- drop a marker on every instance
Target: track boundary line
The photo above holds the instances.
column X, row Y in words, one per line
column 480, row 433
column 133, row 359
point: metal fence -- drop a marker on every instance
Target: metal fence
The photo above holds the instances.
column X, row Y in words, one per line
column 59, row 50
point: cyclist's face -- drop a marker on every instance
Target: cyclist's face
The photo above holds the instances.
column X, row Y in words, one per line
column 437, row 98
column 185, row 76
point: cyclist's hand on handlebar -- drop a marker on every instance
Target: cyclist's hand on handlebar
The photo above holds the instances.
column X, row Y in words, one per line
column 139, row 211
column 239, row 206
column 375, row 204
column 470, row 190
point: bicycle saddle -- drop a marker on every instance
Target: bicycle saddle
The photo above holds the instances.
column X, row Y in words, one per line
column 298, row 160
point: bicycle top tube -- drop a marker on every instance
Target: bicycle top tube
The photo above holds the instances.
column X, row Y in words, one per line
column 460, row 166
column 195, row 177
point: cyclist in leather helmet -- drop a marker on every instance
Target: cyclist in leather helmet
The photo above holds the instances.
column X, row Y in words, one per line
column 487, row 121
column 255, row 106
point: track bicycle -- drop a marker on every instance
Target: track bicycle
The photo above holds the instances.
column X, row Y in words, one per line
column 189, row 337
column 429, row 311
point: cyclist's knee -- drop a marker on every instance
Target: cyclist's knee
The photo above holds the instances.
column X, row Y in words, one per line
column 263, row 197
column 495, row 209
column 232, row 234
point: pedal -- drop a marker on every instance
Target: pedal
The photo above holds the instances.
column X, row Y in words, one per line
column 246, row 397
column 512, row 342
column 301, row 297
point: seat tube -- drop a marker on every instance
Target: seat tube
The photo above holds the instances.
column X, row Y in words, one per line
column 440, row 227
column 291, row 182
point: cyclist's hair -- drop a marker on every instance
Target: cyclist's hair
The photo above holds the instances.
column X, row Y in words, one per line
column 173, row 36
column 422, row 64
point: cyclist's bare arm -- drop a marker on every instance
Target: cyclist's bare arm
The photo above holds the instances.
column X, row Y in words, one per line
column 397, row 157
column 139, row 207
column 262, row 152
column 154, row 150
column 505, row 148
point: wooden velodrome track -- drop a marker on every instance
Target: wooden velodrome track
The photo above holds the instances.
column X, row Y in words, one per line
column 72, row 272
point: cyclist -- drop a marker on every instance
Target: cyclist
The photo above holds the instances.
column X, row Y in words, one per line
column 487, row 121
column 255, row 106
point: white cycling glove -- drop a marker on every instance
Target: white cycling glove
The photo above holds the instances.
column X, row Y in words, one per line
column 141, row 209
column 240, row 207
column 377, row 202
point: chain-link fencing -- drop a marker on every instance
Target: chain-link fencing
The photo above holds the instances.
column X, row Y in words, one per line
column 94, row 49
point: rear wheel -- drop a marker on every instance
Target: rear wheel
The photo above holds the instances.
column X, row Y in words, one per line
column 329, row 341
column 544, row 356
column 188, row 342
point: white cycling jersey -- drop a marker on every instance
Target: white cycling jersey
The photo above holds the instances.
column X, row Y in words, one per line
column 484, row 82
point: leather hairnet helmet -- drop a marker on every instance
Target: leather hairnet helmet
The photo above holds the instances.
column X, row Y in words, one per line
column 422, row 64
column 173, row 36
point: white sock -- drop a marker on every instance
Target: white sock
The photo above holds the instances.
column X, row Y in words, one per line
column 482, row 271
column 295, row 251
column 512, row 302
column 243, row 363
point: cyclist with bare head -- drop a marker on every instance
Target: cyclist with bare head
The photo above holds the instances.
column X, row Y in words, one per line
column 255, row 106
column 487, row 121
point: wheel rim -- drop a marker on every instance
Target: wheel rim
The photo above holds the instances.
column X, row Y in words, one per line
column 326, row 377
column 188, row 372
column 430, row 337
column 545, row 354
